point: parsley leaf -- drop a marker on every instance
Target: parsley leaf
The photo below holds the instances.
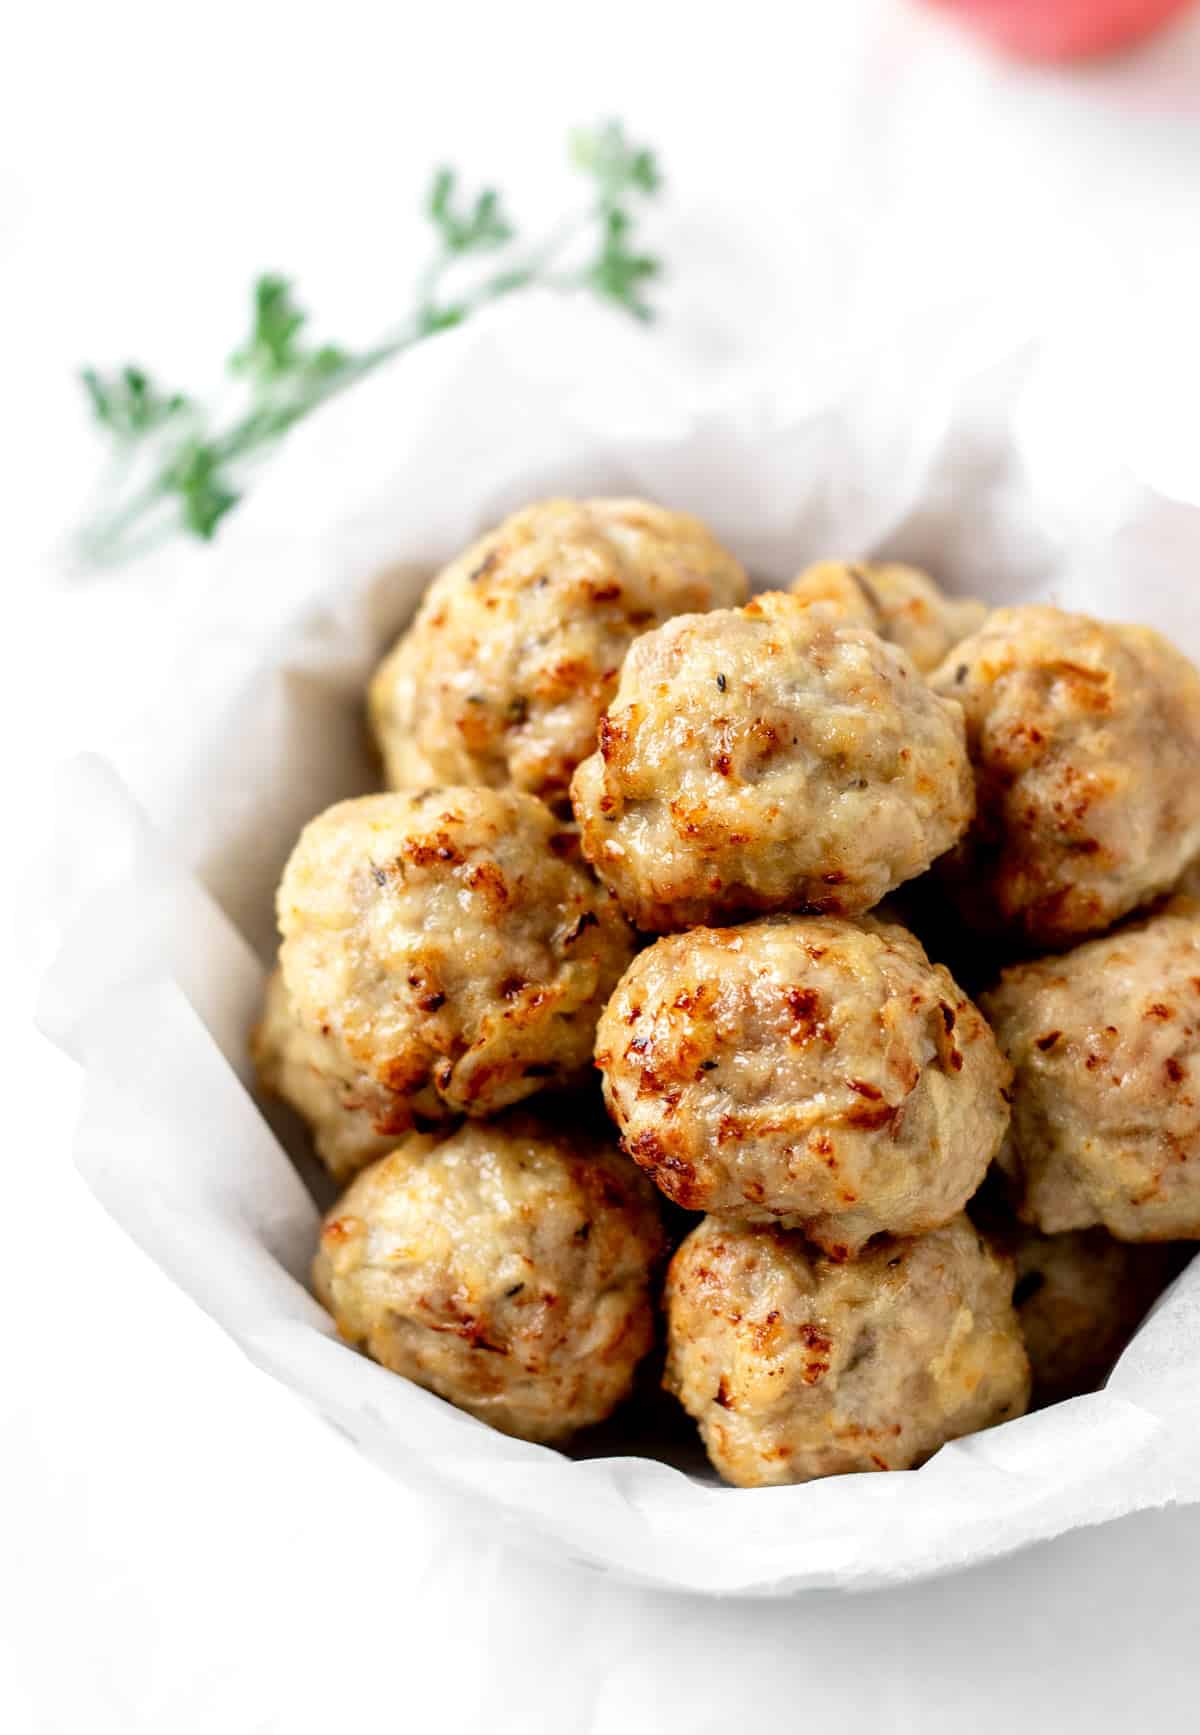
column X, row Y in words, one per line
column 205, row 497
column 473, row 226
column 617, row 270
column 129, row 402
column 617, row 166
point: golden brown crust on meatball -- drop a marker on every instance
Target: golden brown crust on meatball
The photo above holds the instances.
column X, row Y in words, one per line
column 1080, row 1297
column 1085, row 737
column 796, row 1366
column 813, row 1069
column 900, row 603
column 1105, row 1044
column 347, row 1112
column 767, row 758
column 452, row 947
column 507, row 1268
column 514, row 653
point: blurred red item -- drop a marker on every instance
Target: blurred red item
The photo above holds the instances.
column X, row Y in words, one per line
column 1064, row 29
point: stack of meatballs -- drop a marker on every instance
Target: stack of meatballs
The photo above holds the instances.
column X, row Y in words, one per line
column 723, row 849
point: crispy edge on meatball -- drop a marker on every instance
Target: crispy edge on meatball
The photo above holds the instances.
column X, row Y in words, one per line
column 900, row 603
column 796, row 1367
column 515, row 650
column 1105, row 1045
column 1084, row 737
column 451, row 946
column 509, row 1268
column 813, row 1069
column 768, row 758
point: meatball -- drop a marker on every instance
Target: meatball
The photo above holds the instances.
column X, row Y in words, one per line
column 1079, row 1299
column 900, row 603
column 451, row 947
column 1105, row 1043
column 796, row 1366
column 507, row 1267
column 768, row 758
column 809, row 1068
column 308, row 1069
column 515, row 650
column 1085, row 739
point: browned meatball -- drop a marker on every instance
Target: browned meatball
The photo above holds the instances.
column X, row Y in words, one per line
column 1080, row 1298
column 809, row 1068
column 796, row 1366
column 514, row 654
column 450, row 948
column 900, row 603
column 1085, row 739
column 507, row 1267
column 1105, row 1043
column 766, row 758
column 347, row 1112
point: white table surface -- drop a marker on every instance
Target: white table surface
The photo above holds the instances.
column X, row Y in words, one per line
column 184, row 1548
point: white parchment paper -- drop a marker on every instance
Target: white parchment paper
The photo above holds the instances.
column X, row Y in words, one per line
column 1015, row 467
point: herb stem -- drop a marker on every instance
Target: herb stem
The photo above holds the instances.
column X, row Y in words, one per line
column 103, row 540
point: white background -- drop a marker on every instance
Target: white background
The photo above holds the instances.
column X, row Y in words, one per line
column 183, row 1548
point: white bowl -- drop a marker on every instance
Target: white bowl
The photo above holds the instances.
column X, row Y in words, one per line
column 959, row 448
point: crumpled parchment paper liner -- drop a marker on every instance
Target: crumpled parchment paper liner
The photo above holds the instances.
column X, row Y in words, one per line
column 974, row 448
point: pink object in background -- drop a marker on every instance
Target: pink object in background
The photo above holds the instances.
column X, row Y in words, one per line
column 1064, row 29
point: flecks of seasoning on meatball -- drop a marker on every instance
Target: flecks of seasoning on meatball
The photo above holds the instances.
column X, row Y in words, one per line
column 515, row 651
column 1080, row 1297
column 1085, row 738
column 796, row 1366
column 813, row 1069
column 1105, row 1044
column 508, row 1268
column 768, row 758
column 450, row 948
column 900, row 603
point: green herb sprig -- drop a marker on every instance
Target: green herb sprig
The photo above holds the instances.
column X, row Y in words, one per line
column 176, row 465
